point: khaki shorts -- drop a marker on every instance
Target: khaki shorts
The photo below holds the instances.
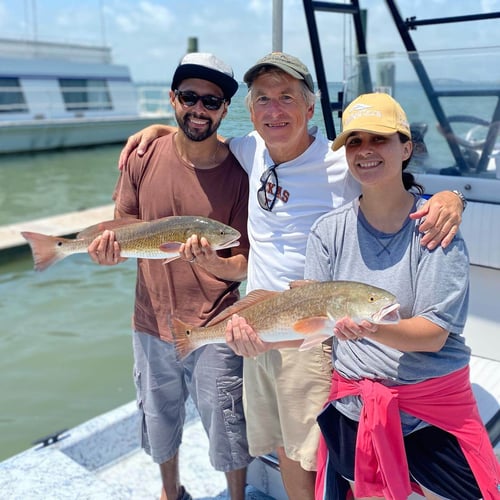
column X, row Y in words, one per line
column 283, row 393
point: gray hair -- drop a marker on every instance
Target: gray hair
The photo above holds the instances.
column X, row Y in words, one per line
column 279, row 75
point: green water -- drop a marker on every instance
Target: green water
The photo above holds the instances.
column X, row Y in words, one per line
column 65, row 346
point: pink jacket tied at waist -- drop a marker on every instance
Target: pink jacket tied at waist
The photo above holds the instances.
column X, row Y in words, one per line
column 447, row 402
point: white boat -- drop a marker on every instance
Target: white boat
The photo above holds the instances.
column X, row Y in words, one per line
column 102, row 457
column 60, row 95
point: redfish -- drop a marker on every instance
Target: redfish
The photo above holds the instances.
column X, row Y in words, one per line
column 307, row 311
column 157, row 239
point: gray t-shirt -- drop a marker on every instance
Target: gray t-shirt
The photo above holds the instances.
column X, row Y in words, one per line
column 432, row 284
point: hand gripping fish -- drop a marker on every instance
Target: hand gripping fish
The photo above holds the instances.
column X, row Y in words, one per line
column 157, row 239
column 308, row 311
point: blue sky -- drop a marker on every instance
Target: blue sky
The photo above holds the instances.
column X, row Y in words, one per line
column 151, row 35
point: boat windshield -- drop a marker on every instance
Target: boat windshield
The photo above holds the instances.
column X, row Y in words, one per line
column 454, row 114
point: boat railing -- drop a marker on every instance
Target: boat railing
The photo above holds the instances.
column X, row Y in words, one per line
column 471, row 108
column 153, row 99
column 465, row 110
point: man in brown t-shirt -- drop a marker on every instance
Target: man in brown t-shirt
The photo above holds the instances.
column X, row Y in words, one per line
column 188, row 173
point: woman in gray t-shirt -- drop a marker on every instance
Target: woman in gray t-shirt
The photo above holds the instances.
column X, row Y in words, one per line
column 382, row 367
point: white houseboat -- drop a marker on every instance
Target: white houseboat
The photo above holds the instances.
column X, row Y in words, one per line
column 55, row 95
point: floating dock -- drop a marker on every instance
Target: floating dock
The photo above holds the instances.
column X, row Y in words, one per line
column 57, row 225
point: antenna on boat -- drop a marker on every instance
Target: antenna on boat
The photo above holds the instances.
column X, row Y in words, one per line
column 102, row 19
column 34, row 22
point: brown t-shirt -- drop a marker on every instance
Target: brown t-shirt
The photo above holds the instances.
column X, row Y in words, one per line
column 161, row 184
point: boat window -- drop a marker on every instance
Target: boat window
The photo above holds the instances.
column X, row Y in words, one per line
column 82, row 94
column 11, row 96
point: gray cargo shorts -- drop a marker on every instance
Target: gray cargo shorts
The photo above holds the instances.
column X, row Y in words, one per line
column 212, row 376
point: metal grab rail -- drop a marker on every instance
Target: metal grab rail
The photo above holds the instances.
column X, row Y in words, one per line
column 433, row 95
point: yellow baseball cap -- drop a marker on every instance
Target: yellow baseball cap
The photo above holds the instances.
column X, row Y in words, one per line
column 376, row 113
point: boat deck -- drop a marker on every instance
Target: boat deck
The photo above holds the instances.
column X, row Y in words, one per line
column 101, row 459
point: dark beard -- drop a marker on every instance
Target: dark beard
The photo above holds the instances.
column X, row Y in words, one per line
column 196, row 135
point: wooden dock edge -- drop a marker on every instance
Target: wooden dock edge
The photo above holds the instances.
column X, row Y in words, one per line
column 57, row 225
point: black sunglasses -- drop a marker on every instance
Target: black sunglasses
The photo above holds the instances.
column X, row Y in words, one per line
column 268, row 177
column 189, row 98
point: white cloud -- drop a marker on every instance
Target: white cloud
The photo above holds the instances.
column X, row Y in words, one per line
column 126, row 24
column 155, row 14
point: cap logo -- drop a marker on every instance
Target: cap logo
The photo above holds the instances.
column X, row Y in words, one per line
column 359, row 111
column 360, row 106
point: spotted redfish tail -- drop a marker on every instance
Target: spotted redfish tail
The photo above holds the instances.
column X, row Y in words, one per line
column 44, row 248
column 182, row 332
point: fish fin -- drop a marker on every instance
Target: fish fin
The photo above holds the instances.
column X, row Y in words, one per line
column 313, row 341
column 170, row 246
column 44, row 248
column 309, row 325
column 181, row 332
column 248, row 300
column 95, row 230
column 298, row 283
column 331, row 318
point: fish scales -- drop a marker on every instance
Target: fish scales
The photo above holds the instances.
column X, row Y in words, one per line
column 306, row 311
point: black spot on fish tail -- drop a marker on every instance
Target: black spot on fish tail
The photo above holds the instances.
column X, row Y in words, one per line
column 182, row 333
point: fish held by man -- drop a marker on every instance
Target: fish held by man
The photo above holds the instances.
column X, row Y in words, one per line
column 157, row 239
column 307, row 311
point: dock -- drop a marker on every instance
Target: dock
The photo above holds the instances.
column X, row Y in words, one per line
column 57, row 225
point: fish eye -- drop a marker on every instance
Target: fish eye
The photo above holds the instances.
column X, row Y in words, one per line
column 372, row 298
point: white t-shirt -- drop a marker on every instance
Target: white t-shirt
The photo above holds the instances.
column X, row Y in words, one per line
column 309, row 186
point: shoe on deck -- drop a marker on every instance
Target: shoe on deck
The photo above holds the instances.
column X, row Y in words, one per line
column 185, row 495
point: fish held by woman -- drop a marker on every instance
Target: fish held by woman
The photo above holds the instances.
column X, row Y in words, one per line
column 307, row 311
column 157, row 239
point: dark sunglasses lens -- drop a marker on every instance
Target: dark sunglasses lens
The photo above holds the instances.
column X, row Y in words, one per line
column 187, row 98
column 262, row 199
column 212, row 102
column 262, row 196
